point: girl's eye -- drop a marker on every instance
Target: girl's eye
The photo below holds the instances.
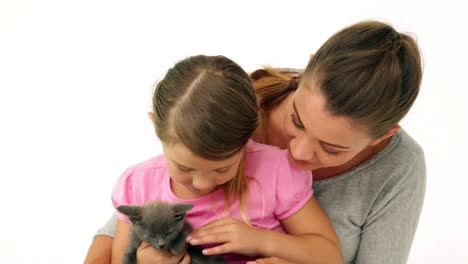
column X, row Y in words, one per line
column 296, row 123
column 184, row 169
column 222, row 171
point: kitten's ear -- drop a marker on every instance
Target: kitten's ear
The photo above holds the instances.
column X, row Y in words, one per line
column 133, row 212
column 180, row 209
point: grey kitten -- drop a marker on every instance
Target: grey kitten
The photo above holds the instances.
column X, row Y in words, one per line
column 163, row 226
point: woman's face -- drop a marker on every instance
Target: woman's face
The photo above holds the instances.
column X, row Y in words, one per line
column 315, row 138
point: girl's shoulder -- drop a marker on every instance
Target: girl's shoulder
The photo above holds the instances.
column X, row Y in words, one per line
column 253, row 146
column 269, row 161
column 153, row 163
column 146, row 170
column 259, row 154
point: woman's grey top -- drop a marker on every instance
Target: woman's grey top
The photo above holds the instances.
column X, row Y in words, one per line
column 374, row 207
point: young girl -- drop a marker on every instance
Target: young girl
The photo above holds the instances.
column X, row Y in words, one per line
column 246, row 195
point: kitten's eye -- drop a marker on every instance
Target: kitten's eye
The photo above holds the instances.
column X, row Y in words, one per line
column 150, row 235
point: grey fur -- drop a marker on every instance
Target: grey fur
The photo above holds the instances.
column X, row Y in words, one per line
column 163, row 226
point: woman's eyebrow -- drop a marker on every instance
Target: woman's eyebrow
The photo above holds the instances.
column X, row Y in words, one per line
column 321, row 141
column 297, row 114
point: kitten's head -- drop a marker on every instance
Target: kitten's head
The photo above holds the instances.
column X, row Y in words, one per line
column 157, row 223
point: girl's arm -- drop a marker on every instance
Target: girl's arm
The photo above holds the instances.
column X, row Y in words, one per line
column 310, row 239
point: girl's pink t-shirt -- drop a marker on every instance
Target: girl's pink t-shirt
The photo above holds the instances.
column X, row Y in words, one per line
column 278, row 191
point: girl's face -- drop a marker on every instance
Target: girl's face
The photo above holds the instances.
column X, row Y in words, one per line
column 315, row 138
column 193, row 176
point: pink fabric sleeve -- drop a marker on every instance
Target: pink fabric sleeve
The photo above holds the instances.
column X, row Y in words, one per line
column 294, row 189
column 122, row 193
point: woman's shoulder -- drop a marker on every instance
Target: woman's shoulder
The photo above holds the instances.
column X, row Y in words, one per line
column 404, row 156
column 409, row 147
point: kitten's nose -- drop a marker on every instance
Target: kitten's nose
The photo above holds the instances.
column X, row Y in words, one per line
column 161, row 243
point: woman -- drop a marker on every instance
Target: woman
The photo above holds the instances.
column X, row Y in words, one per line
column 339, row 118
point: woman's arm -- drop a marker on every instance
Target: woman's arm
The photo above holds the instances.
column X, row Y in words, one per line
column 387, row 236
column 120, row 241
column 100, row 250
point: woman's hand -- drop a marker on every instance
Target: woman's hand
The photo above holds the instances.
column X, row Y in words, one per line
column 146, row 254
column 269, row 261
column 235, row 236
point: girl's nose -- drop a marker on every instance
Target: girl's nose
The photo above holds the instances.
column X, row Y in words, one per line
column 202, row 183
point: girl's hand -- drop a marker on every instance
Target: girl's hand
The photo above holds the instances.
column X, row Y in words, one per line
column 269, row 261
column 146, row 254
column 235, row 236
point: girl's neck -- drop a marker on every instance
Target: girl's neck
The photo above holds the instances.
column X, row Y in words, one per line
column 183, row 192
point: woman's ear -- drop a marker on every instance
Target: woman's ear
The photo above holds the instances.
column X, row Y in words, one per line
column 387, row 135
column 152, row 117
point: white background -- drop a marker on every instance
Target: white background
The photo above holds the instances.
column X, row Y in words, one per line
column 75, row 86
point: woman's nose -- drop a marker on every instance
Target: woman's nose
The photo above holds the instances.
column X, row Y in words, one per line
column 301, row 150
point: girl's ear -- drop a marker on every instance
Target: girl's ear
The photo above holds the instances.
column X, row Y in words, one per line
column 152, row 117
column 389, row 134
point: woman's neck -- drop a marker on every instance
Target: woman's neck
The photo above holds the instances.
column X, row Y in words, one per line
column 271, row 124
column 364, row 155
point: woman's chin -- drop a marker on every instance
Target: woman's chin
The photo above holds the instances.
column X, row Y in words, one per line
column 301, row 165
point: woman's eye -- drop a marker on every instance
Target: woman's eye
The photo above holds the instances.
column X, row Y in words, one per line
column 331, row 153
column 296, row 123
